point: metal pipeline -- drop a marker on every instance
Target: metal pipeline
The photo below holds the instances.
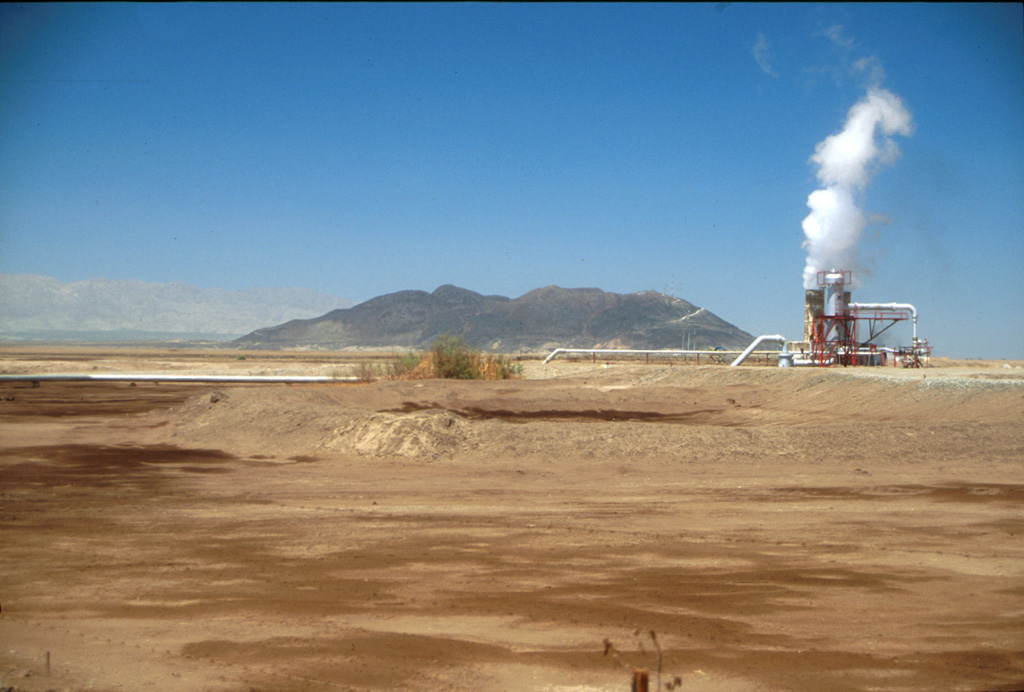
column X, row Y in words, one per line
column 778, row 338
column 890, row 306
column 805, row 362
column 152, row 377
column 633, row 352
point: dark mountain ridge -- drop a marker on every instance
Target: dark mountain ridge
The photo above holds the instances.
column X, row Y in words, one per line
column 544, row 318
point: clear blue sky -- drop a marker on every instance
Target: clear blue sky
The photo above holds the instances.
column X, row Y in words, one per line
column 360, row 149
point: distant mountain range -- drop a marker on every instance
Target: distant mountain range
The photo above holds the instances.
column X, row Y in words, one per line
column 541, row 319
column 42, row 308
column 34, row 306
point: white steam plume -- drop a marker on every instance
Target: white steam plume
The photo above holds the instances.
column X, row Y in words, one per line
column 846, row 163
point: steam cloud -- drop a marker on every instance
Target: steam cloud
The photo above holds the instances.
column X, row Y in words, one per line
column 846, row 163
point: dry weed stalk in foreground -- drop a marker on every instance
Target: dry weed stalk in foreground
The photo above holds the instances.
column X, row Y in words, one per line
column 640, row 677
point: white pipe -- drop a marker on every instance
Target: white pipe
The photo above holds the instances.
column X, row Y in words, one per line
column 890, row 306
column 150, row 377
column 757, row 342
column 626, row 351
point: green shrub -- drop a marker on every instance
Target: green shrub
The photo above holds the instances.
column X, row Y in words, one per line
column 401, row 366
column 453, row 359
column 505, row 369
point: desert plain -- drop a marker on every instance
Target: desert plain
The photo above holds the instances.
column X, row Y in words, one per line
column 738, row 529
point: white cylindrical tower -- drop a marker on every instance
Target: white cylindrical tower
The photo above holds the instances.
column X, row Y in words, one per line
column 833, row 299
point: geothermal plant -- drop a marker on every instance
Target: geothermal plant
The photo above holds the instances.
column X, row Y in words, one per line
column 838, row 331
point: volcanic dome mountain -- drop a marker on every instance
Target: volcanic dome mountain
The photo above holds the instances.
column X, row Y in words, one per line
column 542, row 319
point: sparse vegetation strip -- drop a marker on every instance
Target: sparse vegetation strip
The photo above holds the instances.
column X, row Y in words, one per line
column 450, row 358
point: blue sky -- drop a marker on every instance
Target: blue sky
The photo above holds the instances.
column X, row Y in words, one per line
column 360, row 149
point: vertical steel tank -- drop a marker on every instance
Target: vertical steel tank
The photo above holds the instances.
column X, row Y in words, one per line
column 833, row 296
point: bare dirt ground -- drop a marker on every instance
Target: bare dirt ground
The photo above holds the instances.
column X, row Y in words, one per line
column 777, row 529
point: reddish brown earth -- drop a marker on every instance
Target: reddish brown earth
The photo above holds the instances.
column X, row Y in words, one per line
column 778, row 530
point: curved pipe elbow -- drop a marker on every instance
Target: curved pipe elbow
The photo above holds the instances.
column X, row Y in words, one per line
column 757, row 342
column 890, row 306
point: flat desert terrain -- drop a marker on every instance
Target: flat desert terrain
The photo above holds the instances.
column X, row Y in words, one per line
column 775, row 529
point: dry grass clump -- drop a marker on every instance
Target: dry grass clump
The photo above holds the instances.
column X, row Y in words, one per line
column 451, row 358
column 497, row 368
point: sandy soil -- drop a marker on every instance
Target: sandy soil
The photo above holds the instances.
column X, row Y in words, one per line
column 776, row 529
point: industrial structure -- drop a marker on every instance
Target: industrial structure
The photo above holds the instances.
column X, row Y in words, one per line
column 840, row 332
column 837, row 331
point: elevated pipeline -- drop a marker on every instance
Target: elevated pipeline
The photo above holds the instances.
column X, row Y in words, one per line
column 632, row 352
column 889, row 306
column 159, row 377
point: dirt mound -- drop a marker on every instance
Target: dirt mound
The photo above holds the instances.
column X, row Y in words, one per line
column 201, row 404
column 425, row 435
column 271, row 423
column 430, row 419
column 254, row 422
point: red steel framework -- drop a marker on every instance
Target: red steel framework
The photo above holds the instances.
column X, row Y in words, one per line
column 848, row 337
